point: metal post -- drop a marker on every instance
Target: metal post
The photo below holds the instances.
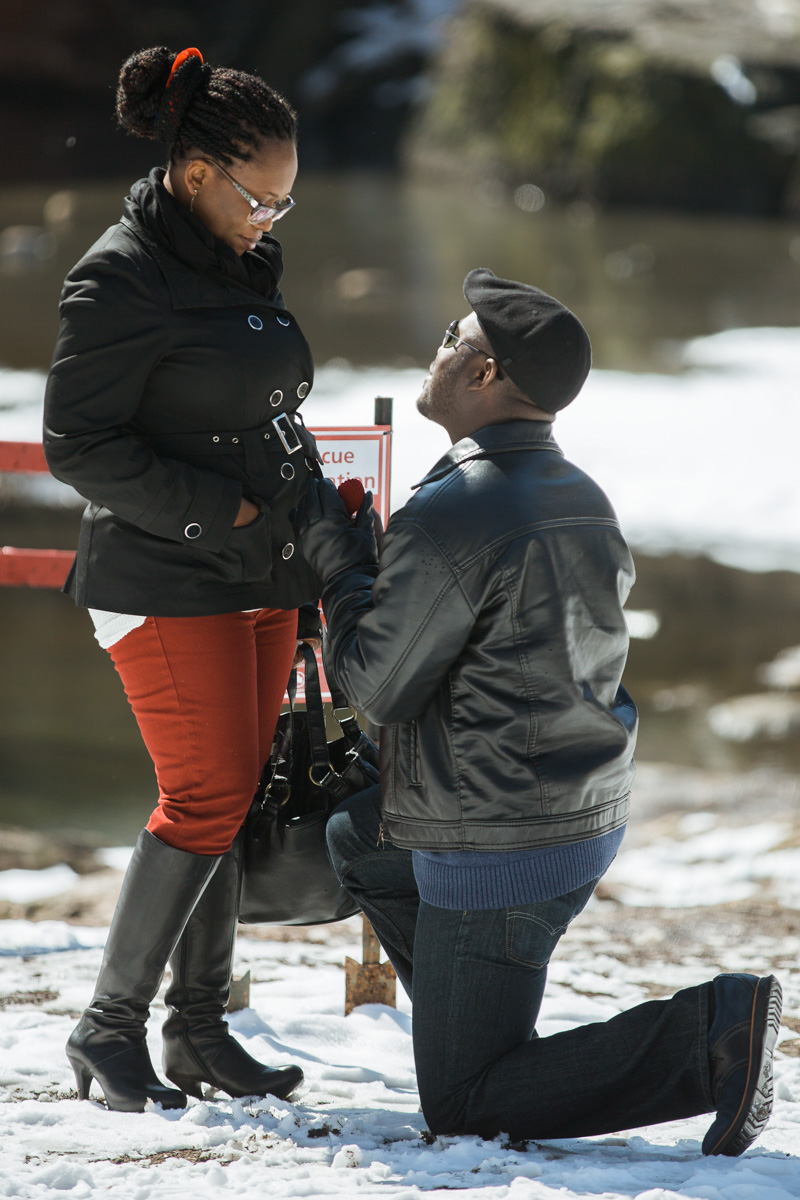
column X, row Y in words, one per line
column 372, row 982
column 383, row 410
column 240, row 993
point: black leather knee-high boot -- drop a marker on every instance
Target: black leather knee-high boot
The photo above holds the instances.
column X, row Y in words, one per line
column 161, row 887
column 198, row 1048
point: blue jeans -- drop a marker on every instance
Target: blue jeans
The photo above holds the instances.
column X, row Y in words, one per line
column 476, row 981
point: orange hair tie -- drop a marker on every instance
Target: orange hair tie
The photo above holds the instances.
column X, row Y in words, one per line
column 181, row 58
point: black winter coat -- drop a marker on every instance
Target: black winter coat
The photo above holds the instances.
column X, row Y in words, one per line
column 173, row 393
column 490, row 640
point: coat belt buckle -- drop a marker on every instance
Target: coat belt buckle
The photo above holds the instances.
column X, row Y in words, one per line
column 288, row 434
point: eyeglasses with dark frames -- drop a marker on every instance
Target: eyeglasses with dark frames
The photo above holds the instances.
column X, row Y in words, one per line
column 452, row 338
column 260, row 212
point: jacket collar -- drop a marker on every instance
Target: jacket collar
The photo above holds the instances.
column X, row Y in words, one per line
column 494, row 439
column 199, row 270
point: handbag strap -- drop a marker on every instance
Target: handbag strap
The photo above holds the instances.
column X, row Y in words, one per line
column 338, row 698
column 291, row 689
column 285, row 750
column 317, row 734
column 291, row 692
column 348, row 724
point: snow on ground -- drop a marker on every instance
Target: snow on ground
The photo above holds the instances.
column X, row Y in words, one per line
column 354, row 1128
column 690, row 894
column 704, row 863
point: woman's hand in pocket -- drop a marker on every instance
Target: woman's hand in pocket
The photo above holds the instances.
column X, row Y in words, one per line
column 247, row 513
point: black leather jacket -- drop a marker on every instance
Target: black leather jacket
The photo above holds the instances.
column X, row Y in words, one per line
column 490, row 642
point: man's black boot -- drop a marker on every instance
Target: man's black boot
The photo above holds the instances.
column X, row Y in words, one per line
column 109, row 1043
column 198, row 1047
column 741, row 1041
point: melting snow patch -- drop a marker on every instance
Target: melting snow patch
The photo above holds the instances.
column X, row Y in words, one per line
column 23, row 886
column 116, row 857
column 354, row 1128
column 44, row 937
column 715, row 864
column 748, row 718
column 348, row 1156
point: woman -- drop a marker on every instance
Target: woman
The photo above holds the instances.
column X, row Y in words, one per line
column 171, row 406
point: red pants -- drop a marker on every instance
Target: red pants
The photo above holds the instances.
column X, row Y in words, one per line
column 206, row 692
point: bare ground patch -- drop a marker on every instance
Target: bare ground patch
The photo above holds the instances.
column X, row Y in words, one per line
column 40, row 997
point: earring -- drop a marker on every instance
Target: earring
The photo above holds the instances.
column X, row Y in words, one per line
column 191, row 202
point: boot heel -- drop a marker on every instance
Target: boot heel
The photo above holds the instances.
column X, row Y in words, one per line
column 192, row 1087
column 83, row 1078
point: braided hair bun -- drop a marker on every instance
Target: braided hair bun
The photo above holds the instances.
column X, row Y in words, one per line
column 185, row 103
column 141, row 90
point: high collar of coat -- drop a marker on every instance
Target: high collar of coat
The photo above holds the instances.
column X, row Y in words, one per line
column 191, row 257
column 494, row 439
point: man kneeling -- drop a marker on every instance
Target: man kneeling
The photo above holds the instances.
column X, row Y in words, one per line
column 488, row 641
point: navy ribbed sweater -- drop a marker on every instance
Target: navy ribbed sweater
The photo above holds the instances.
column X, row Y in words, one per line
column 469, row 879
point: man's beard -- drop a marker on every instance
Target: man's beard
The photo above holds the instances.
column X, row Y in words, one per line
column 435, row 401
column 423, row 399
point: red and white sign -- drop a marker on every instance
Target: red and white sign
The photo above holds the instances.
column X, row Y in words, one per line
column 365, row 453
column 360, row 453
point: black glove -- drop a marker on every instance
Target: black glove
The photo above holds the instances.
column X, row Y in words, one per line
column 329, row 540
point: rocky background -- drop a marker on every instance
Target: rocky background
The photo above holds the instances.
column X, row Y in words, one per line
column 684, row 104
column 687, row 104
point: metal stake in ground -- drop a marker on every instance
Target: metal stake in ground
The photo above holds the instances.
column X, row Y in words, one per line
column 372, row 982
column 240, row 993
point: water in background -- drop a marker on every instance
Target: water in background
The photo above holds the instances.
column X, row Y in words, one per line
column 374, row 266
column 694, row 441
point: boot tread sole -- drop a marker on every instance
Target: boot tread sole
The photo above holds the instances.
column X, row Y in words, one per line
column 751, row 1117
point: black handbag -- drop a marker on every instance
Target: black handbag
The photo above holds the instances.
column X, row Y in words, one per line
column 287, row 876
